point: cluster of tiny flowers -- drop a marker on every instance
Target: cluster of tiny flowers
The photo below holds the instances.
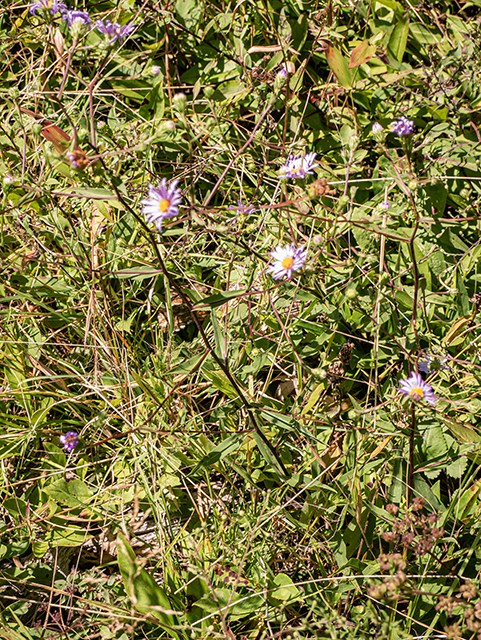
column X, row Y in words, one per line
column 287, row 260
column 415, row 388
column 69, row 441
column 54, row 6
column 402, row 126
column 114, row 31
column 72, row 160
column 163, row 202
column 430, row 363
column 298, row 166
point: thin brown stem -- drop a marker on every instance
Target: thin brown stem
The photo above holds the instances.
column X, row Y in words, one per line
column 186, row 301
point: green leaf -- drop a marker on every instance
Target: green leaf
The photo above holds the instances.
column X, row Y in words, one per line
column 268, row 455
column 131, row 88
column 464, row 433
column 287, row 591
column 39, row 548
column 462, row 300
column 227, row 446
column 187, row 366
column 64, row 536
column 339, row 66
column 457, row 467
column 230, row 604
column 468, row 501
column 12, row 549
column 220, row 343
column 398, row 40
column 218, row 299
column 221, row 382
column 125, row 324
column 146, row 595
column 189, row 11
column 72, row 494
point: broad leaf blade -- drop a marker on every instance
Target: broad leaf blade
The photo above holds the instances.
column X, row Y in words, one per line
column 339, row 66
column 57, row 137
column 146, row 595
column 398, row 40
column 361, row 54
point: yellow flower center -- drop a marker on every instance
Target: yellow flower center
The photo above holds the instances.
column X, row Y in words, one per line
column 164, row 205
column 287, row 263
column 416, row 393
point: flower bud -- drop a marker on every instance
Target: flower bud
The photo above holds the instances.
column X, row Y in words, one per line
column 280, row 80
column 155, row 70
column 208, row 92
column 180, row 101
column 169, row 125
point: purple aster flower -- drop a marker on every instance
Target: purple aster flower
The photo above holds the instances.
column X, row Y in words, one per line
column 403, row 126
column 79, row 17
column 415, row 388
column 162, row 202
column 69, row 441
column 287, row 260
column 429, row 363
column 243, row 209
column 298, row 166
column 54, row 6
column 377, row 128
column 114, row 31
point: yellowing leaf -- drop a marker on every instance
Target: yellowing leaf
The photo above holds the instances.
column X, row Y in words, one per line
column 361, row 54
column 456, row 329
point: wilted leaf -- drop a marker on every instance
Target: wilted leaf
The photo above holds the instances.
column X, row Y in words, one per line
column 339, row 66
column 361, row 54
column 457, row 328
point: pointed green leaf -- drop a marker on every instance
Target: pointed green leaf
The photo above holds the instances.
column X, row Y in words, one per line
column 146, row 595
column 398, row 40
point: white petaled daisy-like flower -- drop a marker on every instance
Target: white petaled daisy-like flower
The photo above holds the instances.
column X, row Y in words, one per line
column 415, row 388
column 287, row 260
column 298, row 166
column 163, row 202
